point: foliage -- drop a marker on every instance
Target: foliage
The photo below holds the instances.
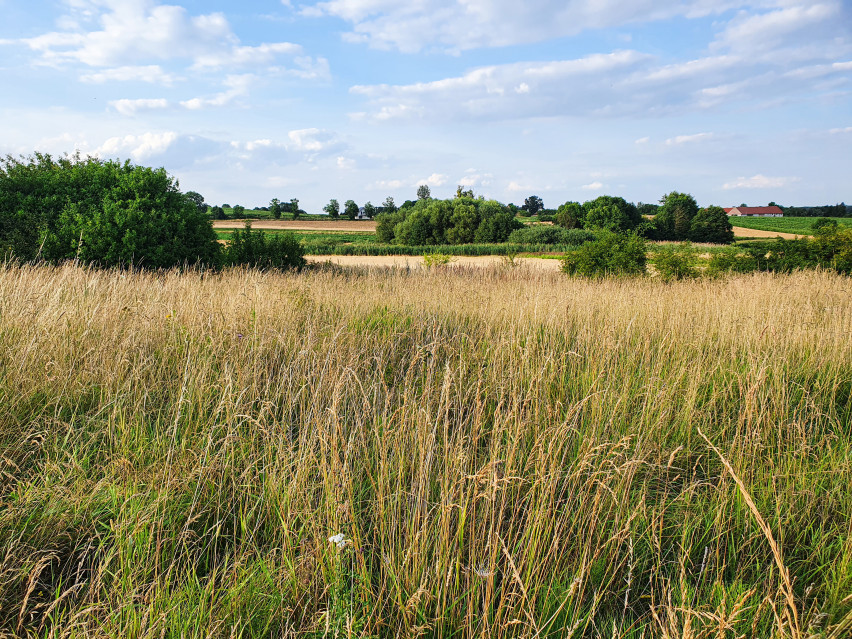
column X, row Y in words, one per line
column 350, row 209
column 676, row 261
column 197, row 199
column 532, row 205
column 238, row 211
column 457, row 221
column 294, row 208
column 332, row 208
column 218, row 213
column 423, row 192
column 674, row 217
column 435, row 260
column 275, row 208
column 369, row 210
column 570, row 215
column 731, row 260
column 823, row 224
column 99, row 212
column 610, row 213
column 257, row 249
column 610, row 254
column 555, row 235
column 830, row 248
column 711, row 225
column 388, row 206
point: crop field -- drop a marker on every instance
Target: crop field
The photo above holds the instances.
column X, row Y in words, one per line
column 795, row 225
column 467, row 452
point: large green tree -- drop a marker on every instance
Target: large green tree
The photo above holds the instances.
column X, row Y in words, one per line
column 332, row 208
column 674, row 217
column 100, row 212
column 711, row 225
column 611, row 213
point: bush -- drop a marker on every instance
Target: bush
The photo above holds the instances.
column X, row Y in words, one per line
column 676, row 261
column 731, row 260
column 711, row 225
column 551, row 235
column 100, row 212
column 257, row 249
column 610, row 254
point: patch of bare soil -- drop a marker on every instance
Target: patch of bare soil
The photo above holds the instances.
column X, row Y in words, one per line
column 741, row 232
column 299, row 225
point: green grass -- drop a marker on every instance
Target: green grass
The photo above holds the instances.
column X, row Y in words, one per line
column 506, row 453
column 798, row 225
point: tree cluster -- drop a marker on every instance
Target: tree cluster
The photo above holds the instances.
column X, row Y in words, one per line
column 677, row 218
column 462, row 220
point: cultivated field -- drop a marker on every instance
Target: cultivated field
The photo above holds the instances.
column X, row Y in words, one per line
column 493, row 452
column 781, row 225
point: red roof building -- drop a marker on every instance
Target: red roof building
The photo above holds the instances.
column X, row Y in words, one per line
column 756, row 211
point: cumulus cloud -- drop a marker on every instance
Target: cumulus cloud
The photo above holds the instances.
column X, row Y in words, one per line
column 436, row 179
column 770, row 52
column 132, row 107
column 759, row 182
column 594, row 186
column 125, row 36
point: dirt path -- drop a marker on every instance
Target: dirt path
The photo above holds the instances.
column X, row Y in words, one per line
column 414, row 261
column 368, row 226
column 743, row 232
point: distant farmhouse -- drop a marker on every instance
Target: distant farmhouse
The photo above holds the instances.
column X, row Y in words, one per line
column 755, row 211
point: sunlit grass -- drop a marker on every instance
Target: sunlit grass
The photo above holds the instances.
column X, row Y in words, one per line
column 504, row 452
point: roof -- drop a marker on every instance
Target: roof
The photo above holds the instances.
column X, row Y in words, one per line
column 755, row 210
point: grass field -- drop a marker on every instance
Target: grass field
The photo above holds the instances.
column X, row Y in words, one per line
column 503, row 453
column 797, row 225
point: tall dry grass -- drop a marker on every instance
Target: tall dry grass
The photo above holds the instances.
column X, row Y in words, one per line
column 505, row 454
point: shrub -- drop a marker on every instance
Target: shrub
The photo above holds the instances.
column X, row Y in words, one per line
column 711, row 225
column 255, row 248
column 610, row 254
column 676, row 261
column 433, row 260
column 553, row 235
column 101, row 212
column 731, row 260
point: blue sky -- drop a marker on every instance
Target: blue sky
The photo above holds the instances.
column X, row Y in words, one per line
column 730, row 100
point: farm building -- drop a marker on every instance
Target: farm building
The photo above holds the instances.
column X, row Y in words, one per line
column 755, row 211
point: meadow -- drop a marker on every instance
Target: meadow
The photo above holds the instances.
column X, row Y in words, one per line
column 446, row 453
column 797, row 225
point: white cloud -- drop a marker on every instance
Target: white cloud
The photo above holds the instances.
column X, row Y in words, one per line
column 130, row 34
column 237, row 85
column 436, row 179
column 139, row 147
column 689, row 139
column 643, row 140
column 457, row 25
column 152, row 74
column 847, row 129
column 594, row 186
column 344, row 163
column 759, row 182
column 132, row 107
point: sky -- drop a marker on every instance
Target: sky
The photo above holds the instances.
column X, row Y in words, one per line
column 733, row 101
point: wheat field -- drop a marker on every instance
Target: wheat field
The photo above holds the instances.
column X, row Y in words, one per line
column 446, row 453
